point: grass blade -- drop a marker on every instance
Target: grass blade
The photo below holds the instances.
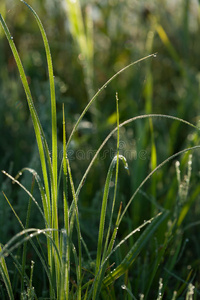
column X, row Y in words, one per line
column 135, row 250
column 36, row 123
column 5, row 277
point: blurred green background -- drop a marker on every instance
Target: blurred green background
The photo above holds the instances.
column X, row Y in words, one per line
column 123, row 31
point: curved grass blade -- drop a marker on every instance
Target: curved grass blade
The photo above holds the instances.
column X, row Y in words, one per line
column 30, row 195
column 121, row 125
column 34, row 232
column 152, row 172
column 42, row 192
column 100, row 90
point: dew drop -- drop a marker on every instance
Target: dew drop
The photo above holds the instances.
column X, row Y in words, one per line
column 123, row 287
column 11, row 37
column 154, row 55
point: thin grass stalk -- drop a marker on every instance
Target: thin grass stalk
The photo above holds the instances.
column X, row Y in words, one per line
column 148, row 92
column 115, row 190
column 102, row 223
column 116, row 179
column 75, row 212
column 100, row 90
column 26, row 226
column 66, row 213
column 30, row 195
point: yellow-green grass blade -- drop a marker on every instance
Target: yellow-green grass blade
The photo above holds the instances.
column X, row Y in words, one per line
column 5, row 277
column 53, row 117
column 53, row 170
column 82, row 33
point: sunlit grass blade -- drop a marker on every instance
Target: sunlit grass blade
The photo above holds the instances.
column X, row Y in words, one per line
column 53, row 118
column 5, row 277
column 54, row 170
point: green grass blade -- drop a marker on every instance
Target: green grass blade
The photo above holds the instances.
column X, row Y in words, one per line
column 116, row 180
column 24, row 254
column 135, row 250
column 66, row 215
column 36, row 123
column 5, row 277
column 75, row 212
column 53, row 114
column 103, row 216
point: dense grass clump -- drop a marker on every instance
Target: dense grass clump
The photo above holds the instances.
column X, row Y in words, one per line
column 107, row 207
